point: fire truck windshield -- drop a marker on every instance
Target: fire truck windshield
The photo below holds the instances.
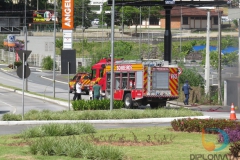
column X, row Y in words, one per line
column 93, row 73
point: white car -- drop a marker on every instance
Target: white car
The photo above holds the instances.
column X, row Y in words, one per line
column 96, row 21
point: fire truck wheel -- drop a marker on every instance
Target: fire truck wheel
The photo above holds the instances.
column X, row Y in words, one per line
column 162, row 104
column 154, row 105
column 128, row 101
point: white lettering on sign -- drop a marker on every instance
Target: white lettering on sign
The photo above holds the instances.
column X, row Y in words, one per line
column 67, row 14
column 124, row 68
column 174, row 76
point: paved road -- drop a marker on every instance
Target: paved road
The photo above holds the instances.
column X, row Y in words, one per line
column 12, row 102
column 37, row 84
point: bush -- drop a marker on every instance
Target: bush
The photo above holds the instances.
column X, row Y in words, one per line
column 233, row 134
column 17, row 64
column 58, row 130
column 47, row 63
column 95, row 104
column 196, row 125
column 11, row 117
column 74, row 147
column 106, row 114
column 235, row 149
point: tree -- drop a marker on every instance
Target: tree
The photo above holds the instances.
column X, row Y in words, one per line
column 105, row 15
column 129, row 15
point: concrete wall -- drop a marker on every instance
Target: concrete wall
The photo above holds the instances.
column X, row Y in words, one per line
column 39, row 45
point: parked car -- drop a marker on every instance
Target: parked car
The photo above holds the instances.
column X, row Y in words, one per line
column 96, row 21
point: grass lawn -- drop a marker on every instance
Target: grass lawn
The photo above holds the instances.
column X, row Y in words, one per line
column 136, row 146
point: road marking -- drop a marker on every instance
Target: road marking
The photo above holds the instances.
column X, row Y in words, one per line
column 14, row 108
column 52, row 80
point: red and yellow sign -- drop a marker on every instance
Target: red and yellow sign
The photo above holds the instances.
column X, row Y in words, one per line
column 173, row 81
column 67, row 14
column 125, row 67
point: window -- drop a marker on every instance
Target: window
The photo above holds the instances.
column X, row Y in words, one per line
column 93, row 73
column 108, row 80
column 101, row 73
column 215, row 20
column 185, row 20
column 124, row 80
column 95, row 7
column 154, row 21
column 117, row 81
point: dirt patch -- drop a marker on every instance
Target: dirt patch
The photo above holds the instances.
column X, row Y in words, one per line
column 20, row 144
column 12, row 156
column 128, row 143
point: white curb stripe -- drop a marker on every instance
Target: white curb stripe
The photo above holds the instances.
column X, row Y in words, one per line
column 147, row 120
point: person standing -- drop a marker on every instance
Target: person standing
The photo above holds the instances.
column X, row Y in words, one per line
column 185, row 88
column 96, row 91
column 77, row 94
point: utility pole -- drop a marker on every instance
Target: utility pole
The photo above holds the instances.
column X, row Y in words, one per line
column 83, row 28
column 112, row 54
column 25, row 45
column 219, row 58
column 54, row 48
column 207, row 63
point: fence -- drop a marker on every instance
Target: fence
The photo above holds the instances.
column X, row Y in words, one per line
column 34, row 60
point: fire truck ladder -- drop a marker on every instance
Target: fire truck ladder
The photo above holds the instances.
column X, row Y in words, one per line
column 128, row 62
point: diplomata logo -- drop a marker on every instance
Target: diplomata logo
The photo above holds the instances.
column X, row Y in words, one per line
column 210, row 146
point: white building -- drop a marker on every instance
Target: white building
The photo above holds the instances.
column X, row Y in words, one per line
column 96, row 5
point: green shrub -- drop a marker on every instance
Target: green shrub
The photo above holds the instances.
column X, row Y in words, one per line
column 11, row 117
column 58, row 130
column 95, row 104
column 108, row 114
column 235, row 149
column 74, row 147
column 196, row 125
column 17, row 64
column 47, row 63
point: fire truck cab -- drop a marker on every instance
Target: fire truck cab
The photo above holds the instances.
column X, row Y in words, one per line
column 136, row 82
column 84, row 78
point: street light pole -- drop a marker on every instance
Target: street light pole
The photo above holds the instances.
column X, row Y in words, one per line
column 112, row 54
column 83, row 32
column 25, row 45
column 54, row 48
column 207, row 63
column 219, row 59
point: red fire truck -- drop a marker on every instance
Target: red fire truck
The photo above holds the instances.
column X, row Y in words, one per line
column 136, row 82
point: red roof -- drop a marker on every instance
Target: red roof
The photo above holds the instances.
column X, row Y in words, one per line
column 189, row 11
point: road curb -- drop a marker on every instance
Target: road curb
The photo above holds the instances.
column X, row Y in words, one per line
column 111, row 121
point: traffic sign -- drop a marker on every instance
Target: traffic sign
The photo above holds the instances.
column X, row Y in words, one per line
column 180, row 70
column 26, row 54
column 23, row 54
column 27, row 71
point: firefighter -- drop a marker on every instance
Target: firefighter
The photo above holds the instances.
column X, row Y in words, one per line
column 96, row 91
column 185, row 88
